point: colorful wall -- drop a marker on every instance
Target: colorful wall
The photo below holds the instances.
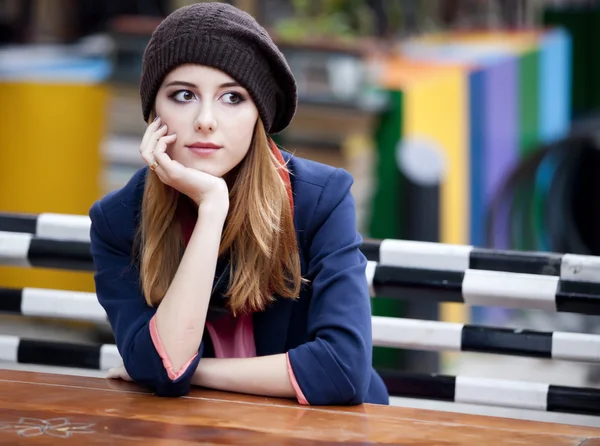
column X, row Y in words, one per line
column 488, row 100
column 519, row 98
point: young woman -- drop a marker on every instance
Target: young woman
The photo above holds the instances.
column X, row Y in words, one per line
column 227, row 263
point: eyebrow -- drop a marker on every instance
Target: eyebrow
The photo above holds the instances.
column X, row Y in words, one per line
column 191, row 85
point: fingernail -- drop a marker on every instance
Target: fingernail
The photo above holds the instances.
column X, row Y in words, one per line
column 157, row 118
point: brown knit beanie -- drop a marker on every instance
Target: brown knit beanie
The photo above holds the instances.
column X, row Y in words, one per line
column 224, row 37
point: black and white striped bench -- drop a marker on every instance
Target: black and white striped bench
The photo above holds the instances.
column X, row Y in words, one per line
column 398, row 269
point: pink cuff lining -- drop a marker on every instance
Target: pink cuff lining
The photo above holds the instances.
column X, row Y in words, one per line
column 163, row 354
column 299, row 394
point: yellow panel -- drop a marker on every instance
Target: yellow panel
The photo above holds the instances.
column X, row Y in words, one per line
column 437, row 108
column 50, row 161
column 46, row 278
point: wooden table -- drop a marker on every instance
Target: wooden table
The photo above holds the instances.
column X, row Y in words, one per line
column 37, row 408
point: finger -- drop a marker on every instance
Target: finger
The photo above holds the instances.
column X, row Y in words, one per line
column 165, row 164
column 150, row 146
column 118, row 373
column 163, row 143
column 152, row 127
column 113, row 373
column 154, row 137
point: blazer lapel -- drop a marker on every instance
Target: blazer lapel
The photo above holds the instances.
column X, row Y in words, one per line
column 271, row 326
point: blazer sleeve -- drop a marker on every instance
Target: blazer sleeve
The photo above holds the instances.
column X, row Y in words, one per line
column 334, row 367
column 118, row 291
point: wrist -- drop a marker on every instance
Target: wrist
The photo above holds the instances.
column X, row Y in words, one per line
column 197, row 376
column 214, row 207
column 200, row 377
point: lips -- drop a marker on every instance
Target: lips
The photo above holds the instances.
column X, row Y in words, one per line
column 204, row 145
column 204, row 148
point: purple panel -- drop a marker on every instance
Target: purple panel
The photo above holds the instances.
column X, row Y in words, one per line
column 501, row 139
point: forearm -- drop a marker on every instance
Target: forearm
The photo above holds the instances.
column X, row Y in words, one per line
column 264, row 375
column 181, row 315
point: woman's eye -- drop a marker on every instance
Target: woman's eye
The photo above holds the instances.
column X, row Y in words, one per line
column 232, row 98
column 183, row 96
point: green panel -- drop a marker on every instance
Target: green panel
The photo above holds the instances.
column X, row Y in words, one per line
column 594, row 60
column 385, row 215
column 386, row 220
column 576, row 23
column 529, row 139
column 528, row 102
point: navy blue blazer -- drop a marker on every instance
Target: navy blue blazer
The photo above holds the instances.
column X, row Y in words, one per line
column 327, row 330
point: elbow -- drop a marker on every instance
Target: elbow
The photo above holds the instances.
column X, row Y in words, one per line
column 159, row 383
column 351, row 373
column 147, row 368
column 173, row 389
column 349, row 388
column 330, row 378
column 355, row 391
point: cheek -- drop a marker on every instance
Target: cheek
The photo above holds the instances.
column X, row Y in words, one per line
column 172, row 114
column 177, row 151
column 161, row 105
column 241, row 129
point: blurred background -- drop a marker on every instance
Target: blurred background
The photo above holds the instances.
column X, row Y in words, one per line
column 462, row 121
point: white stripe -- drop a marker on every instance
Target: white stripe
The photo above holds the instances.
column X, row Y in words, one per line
column 14, row 247
column 580, row 268
column 109, row 357
column 509, row 290
column 416, row 334
column 63, row 227
column 9, row 348
column 428, row 255
column 576, row 346
column 370, row 272
column 497, row 392
column 62, row 304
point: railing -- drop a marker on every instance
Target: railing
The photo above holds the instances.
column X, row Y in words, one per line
column 398, row 269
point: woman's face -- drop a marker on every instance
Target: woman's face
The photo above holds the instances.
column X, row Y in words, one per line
column 212, row 115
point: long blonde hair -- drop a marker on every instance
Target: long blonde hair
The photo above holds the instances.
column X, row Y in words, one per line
column 258, row 235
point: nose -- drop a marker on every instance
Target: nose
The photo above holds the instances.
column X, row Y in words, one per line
column 205, row 120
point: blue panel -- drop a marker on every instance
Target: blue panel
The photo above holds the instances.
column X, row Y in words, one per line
column 476, row 143
column 555, row 85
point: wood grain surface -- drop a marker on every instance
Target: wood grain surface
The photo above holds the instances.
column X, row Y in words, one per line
column 37, row 408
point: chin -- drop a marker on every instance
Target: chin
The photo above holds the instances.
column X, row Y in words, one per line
column 215, row 170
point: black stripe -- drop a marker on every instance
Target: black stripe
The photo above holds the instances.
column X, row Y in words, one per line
column 418, row 284
column 60, row 254
column 573, row 400
column 506, row 341
column 62, row 354
column 417, row 385
column 578, row 297
column 547, row 264
column 10, row 300
column 18, row 223
column 370, row 248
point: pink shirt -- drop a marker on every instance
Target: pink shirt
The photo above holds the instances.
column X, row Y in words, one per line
column 232, row 338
